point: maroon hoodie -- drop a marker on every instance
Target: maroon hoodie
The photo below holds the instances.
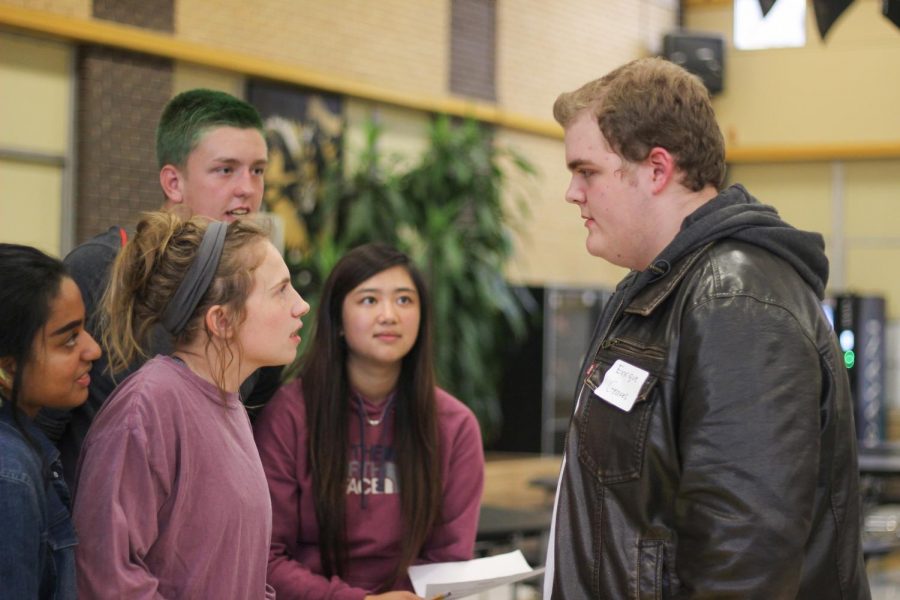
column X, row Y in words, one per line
column 374, row 526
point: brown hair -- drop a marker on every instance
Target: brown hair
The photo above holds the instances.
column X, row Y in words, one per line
column 148, row 271
column 648, row 103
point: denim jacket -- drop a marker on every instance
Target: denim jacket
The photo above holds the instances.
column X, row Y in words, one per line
column 37, row 544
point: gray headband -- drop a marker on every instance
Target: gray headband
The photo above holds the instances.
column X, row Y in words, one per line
column 195, row 283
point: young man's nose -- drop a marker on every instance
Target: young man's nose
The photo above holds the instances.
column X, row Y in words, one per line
column 245, row 183
column 574, row 193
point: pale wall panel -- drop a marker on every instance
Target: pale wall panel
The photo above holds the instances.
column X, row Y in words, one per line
column 29, row 207
column 34, row 93
column 403, row 136
column 874, row 271
column 800, row 192
column 869, row 231
column 872, row 198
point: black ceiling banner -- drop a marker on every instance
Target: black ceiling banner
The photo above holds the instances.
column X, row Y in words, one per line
column 827, row 12
column 766, row 6
column 891, row 10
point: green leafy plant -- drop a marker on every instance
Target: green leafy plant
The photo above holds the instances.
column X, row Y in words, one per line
column 448, row 212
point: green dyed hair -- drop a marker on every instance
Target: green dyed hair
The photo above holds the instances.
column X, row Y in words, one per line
column 191, row 114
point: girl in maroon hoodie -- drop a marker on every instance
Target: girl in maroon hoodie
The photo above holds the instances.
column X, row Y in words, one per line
column 371, row 467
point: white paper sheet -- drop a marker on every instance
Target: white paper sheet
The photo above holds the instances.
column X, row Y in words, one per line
column 452, row 580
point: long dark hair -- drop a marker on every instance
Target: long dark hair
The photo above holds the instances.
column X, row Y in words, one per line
column 29, row 282
column 327, row 393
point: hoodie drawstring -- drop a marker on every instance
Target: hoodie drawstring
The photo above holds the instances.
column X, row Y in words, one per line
column 660, row 269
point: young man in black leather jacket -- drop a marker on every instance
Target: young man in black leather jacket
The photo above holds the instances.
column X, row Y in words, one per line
column 712, row 451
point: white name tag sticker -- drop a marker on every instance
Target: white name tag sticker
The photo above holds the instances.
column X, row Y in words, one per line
column 622, row 384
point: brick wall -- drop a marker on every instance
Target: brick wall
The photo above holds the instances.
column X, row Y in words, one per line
column 158, row 14
column 120, row 98
column 399, row 45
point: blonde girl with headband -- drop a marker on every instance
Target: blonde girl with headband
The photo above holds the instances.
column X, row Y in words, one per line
column 171, row 499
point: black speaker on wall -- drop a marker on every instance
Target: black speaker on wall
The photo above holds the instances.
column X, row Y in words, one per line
column 702, row 54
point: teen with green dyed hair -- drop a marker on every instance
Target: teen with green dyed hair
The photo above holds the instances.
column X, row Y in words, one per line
column 189, row 115
column 212, row 156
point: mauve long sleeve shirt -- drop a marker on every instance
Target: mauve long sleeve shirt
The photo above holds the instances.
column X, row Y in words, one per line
column 171, row 499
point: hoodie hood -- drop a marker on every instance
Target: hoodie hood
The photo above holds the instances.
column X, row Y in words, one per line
column 737, row 215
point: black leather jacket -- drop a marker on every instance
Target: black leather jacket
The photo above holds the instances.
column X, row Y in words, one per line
column 734, row 475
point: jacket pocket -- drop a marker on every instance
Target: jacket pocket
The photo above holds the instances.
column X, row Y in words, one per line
column 611, row 441
column 62, row 535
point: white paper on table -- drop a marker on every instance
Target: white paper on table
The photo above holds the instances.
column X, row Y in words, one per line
column 468, row 577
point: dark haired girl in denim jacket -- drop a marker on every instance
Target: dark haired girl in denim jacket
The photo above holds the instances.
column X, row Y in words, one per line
column 45, row 358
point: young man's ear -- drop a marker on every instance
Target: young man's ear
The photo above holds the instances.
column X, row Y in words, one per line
column 662, row 168
column 172, row 182
column 218, row 322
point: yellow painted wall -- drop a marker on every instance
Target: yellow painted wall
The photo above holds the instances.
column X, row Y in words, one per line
column 872, row 229
column 35, row 91
column 69, row 8
column 873, row 193
column 30, row 210
column 800, row 191
column 544, row 48
column 401, row 47
column 842, row 92
column 397, row 44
